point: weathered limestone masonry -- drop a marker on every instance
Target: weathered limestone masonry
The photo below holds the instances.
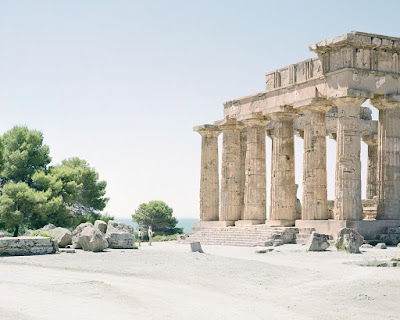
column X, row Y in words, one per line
column 315, row 98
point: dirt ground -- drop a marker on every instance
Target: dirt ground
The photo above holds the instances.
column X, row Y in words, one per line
column 167, row 281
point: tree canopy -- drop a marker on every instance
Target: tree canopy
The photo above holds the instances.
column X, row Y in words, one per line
column 158, row 215
column 34, row 194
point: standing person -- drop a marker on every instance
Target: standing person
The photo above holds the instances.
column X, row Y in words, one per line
column 150, row 234
column 140, row 236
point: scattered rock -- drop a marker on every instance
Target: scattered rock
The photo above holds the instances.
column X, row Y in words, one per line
column 92, row 239
column 119, row 235
column 318, row 242
column 62, row 236
column 268, row 243
column 263, row 250
column 101, row 225
column 67, row 250
column 381, row 245
column 366, row 246
column 196, row 247
column 21, row 246
column 277, row 242
column 349, row 240
column 76, row 233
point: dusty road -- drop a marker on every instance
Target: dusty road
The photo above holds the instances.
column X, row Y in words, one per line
column 167, row 281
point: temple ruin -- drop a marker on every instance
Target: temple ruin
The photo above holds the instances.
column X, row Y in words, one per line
column 313, row 99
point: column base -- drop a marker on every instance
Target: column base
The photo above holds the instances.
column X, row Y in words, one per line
column 213, row 224
column 241, row 223
column 279, row 223
column 369, row 229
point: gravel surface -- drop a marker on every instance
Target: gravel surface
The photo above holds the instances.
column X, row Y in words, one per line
column 167, row 281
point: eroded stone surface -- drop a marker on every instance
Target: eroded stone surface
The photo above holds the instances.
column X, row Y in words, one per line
column 119, row 235
column 349, row 240
column 92, row 239
column 62, row 236
column 101, row 225
column 21, row 246
column 318, row 242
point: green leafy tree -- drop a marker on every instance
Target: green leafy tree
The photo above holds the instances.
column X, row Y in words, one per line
column 23, row 154
column 23, row 205
column 158, row 215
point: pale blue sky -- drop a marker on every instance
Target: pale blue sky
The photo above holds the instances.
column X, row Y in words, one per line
column 121, row 83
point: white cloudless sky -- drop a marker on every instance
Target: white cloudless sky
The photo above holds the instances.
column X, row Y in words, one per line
column 121, row 83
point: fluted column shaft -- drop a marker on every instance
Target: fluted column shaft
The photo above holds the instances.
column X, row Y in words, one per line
column 314, row 206
column 231, row 173
column 372, row 170
column 209, row 179
column 348, row 165
column 243, row 148
column 388, row 158
column 255, row 184
column 283, row 189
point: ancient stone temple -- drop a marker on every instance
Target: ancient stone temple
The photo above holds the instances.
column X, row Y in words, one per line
column 313, row 99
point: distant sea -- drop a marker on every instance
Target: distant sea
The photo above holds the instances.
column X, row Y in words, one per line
column 187, row 224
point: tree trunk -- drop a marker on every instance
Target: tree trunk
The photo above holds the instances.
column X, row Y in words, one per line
column 16, row 230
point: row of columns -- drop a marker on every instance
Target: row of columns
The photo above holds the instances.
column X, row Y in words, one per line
column 243, row 182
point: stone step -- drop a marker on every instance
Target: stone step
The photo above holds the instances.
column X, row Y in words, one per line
column 302, row 238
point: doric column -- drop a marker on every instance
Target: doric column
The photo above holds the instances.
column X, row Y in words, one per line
column 209, row 180
column 283, row 188
column 388, row 157
column 348, row 165
column 231, row 173
column 314, row 204
column 372, row 167
column 255, row 170
column 243, row 148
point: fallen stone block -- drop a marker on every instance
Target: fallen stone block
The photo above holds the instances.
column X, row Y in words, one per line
column 119, row 235
column 318, row 242
column 263, row 250
column 21, row 246
column 381, row 245
column 101, row 225
column 92, row 239
column 349, row 240
column 67, row 250
column 76, row 233
column 196, row 247
column 62, row 236
column 366, row 246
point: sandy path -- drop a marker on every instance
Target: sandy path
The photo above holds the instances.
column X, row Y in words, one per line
column 168, row 282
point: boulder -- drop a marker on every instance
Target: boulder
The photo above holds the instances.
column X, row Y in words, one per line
column 101, row 225
column 92, row 239
column 318, row 242
column 47, row 228
column 196, row 247
column 76, row 233
column 381, row 245
column 21, row 246
column 62, row 236
column 349, row 240
column 119, row 235
column 366, row 246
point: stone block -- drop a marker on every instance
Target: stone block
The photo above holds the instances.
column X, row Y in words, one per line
column 101, row 225
column 62, row 236
column 119, row 235
column 349, row 240
column 196, row 247
column 92, row 239
column 381, row 245
column 318, row 242
column 241, row 223
column 279, row 223
column 21, row 246
column 76, row 233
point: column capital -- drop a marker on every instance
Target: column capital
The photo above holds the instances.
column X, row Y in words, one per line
column 283, row 115
column 346, row 101
column 322, row 105
column 207, row 130
column 229, row 124
column 256, row 119
column 370, row 139
column 386, row 102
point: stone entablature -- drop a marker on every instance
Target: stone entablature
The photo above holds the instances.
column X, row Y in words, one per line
column 352, row 65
